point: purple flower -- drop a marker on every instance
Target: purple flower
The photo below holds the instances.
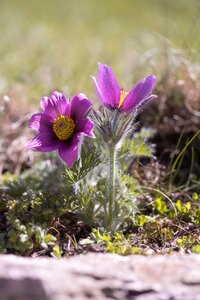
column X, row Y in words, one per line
column 112, row 96
column 60, row 126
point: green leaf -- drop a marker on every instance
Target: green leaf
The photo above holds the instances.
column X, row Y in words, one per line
column 160, row 205
column 89, row 159
column 140, row 220
column 179, row 205
column 56, row 253
column 138, row 145
column 195, row 196
column 49, row 239
column 196, row 249
column 83, row 242
column 24, row 238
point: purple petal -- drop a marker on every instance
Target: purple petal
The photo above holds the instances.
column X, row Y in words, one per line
column 43, row 142
column 55, row 105
column 79, row 105
column 41, row 122
column 139, row 92
column 143, row 102
column 107, row 86
column 85, row 127
column 68, row 151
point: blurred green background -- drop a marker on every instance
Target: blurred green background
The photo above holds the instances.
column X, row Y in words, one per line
column 49, row 44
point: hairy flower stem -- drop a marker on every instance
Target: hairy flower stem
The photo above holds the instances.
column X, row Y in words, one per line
column 111, row 184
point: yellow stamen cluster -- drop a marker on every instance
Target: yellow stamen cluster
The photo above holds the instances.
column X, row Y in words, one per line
column 63, row 127
column 123, row 95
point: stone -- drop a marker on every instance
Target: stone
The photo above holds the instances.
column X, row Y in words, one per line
column 101, row 276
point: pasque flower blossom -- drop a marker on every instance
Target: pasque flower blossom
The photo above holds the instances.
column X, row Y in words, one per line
column 61, row 125
column 112, row 96
column 116, row 120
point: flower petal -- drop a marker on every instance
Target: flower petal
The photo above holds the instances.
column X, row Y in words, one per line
column 85, row 127
column 55, row 105
column 68, row 151
column 144, row 101
column 79, row 105
column 43, row 142
column 139, row 92
column 41, row 122
column 107, row 86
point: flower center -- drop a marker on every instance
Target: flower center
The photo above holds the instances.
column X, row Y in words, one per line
column 123, row 95
column 63, row 127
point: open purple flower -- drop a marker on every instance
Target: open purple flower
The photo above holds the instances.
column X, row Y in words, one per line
column 60, row 126
column 112, row 96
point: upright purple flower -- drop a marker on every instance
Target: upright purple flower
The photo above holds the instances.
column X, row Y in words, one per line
column 112, row 96
column 60, row 126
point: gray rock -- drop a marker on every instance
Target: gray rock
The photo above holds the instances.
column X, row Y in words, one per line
column 100, row 276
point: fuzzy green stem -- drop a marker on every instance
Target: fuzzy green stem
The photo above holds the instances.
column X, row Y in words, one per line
column 111, row 184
